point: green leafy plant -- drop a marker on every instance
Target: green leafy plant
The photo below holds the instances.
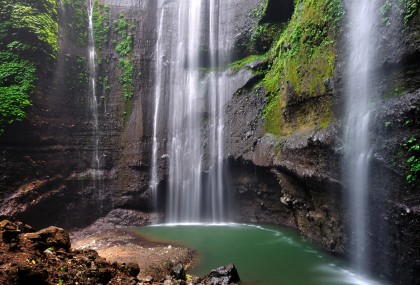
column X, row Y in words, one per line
column 78, row 18
column 124, row 48
column 412, row 146
column 17, row 83
column 385, row 12
column 28, row 39
column 29, row 27
column 258, row 12
column 106, row 84
column 126, row 78
column 100, row 19
column 77, row 74
column 264, row 35
column 411, row 8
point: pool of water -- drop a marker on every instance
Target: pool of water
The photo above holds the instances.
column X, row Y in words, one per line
column 264, row 255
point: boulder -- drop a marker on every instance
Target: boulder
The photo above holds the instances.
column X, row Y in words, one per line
column 223, row 275
column 8, row 230
column 178, row 272
column 50, row 237
column 133, row 269
column 7, row 225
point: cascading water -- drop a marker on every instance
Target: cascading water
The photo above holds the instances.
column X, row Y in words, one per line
column 218, row 46
column 186, row 100
column 92, row 85
column 195, row 106
column 360, row 82
column 159, row 54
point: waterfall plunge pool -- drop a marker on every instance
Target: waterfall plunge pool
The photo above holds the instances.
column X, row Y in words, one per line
column 263, row 255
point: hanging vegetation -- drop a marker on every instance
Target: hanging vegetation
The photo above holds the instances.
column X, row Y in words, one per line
column 28, row 39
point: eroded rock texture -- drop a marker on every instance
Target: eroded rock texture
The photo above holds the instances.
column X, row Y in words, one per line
column 46, row 169
column 292, row 179
column 295, row 179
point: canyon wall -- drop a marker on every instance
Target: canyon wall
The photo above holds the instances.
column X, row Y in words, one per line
column 283, row 126
column 289, row 134
column 47, row 174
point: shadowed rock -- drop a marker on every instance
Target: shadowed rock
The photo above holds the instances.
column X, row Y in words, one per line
column 50, row 237
column 223, row 275
column 178, row 272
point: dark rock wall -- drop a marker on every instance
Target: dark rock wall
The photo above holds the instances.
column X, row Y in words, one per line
column 46, row 175
column 128, row 122
column 311, row 194
column 40, row 155
column 307, row 196
column 292, row 180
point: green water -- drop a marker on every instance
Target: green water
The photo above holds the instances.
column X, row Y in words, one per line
column 263, row 255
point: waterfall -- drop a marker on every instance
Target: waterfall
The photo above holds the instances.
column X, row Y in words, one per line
column 159, row 53
column 190, row 91
column 186, row 99
column 360, row 89
column 217, row 100
column 92, row 86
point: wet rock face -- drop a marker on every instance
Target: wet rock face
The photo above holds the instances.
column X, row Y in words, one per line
column 278, row 11
column 257, row 196
column 128, row 121
column 46, row 161
column 285, row 181
column 42, row 156
column 307, row 191
column 394, row 213
column 244, row 123
column 239, row 24
column 307, row 165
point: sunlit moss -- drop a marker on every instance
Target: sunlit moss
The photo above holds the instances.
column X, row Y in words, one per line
column 303, row 58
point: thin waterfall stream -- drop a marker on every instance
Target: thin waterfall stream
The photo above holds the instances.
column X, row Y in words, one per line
column 217, row 98
column 360, row 83
column 171, row 141
column 93, row 99
column 158, row 94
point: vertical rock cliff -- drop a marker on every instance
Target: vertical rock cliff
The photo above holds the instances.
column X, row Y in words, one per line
column 46, row 160
column 283, row 124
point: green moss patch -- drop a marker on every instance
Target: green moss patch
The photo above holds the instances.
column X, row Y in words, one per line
column 28, row 39
column 17, row 82
column 100, row 19
column 303, row 63
column 237, row 65
column 124, row 48
column 411, row 9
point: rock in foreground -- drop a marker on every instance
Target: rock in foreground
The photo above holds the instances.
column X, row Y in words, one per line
column 223, row 275
column 44, row 257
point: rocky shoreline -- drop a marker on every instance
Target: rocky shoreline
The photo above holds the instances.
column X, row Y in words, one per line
column 46, row 256
column 125, row 246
